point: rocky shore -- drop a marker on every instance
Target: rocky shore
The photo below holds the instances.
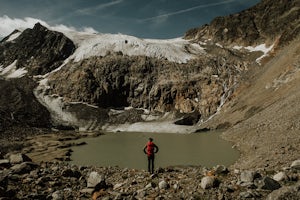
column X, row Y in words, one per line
column 41, row 171
column 20, row 178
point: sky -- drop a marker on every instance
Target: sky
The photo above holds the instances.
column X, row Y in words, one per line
column 159, row 19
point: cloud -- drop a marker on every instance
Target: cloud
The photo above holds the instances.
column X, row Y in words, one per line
column 8, row 25
column 166, row 15
column 90, row 10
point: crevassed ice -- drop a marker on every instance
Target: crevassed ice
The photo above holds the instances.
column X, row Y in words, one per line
column 176, row 50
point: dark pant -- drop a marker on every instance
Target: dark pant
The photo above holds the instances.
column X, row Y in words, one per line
column 151, row 164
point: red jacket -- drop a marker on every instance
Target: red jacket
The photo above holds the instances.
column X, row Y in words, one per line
column 150, row 148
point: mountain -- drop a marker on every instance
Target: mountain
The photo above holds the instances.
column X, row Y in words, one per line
column 266, row 22
column 95, row 81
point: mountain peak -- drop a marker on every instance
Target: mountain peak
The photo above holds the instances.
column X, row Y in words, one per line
column 39, row 27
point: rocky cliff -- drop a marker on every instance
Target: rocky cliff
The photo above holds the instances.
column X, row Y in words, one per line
column 35, row 51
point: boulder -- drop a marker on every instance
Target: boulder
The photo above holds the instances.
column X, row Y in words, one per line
column 23, row 168
column 163, row 185
column 57, row 195
column 296, row 165
column 19, row 158
column 71, row 173
column 221, row 169
column 268, row 183
column 249, row 176
column 208, row 182
column 281, row 176
column 286, row 192
column 4, row 163
column 93, row 179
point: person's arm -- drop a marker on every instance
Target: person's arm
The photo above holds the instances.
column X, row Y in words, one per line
column 156, row 148
column 145, row 149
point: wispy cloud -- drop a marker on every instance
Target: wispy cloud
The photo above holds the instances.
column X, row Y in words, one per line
column 90, row 10
column 166, row 15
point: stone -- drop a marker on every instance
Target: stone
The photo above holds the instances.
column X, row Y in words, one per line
column 93, row 179
column 221, row 169
column 23, row 168
column 208, row 182
column 286, row 192
column 3, row 182
column 268, row 183
column 163, row 185
column 247, row 194
column 296, row 165
column 87, row 190
column 248, row 176
column 19, row 158
column 118, row 185
column 281, row 176
column 150, row 185
column 57, row 195
column 71, row 173
column 4, row 163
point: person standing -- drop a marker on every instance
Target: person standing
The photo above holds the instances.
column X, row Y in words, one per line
column 150, row 149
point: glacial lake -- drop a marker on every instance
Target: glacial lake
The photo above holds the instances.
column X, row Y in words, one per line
column 125, row 149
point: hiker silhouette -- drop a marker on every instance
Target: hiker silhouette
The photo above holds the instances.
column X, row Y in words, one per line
column 151, row 149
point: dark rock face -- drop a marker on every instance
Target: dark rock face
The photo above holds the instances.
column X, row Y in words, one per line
column 38, row 50
column 267, row 21
column 118, row 81
column 18, row 106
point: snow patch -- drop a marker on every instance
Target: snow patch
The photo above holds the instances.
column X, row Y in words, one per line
column 176, row 50
column 262, row 47
column 151, row 127
column 13, row 36
column 83, row 103
column 54, row 104
column 11, row 71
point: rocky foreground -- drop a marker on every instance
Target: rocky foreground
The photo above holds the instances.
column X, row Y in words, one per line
column 20, row 178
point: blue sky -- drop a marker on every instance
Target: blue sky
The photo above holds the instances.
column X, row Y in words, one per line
column 142, row 18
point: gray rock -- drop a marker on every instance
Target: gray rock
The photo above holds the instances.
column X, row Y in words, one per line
column 163, row 185
column 71, row 173
column 248, row 176
column 4, row 163
column 285, row 193
column 19, row 158
column 296, row 165
column 23, row 168
column 221, row 169
column 87, row 190
column 93, row 179
column 57, row 195
column 247, row 194
column 141, row 193
column 150, row 185
column 281, row 176
column 208, row 182
column 268, row 183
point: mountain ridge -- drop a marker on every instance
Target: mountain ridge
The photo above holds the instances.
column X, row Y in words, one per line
column 263, row 23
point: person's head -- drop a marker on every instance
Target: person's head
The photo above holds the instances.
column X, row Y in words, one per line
column 150, row 139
